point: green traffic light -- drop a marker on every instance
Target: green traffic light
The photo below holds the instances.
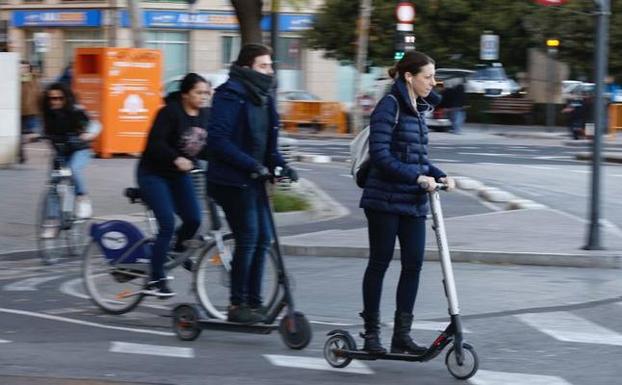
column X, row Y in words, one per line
column 398, row 55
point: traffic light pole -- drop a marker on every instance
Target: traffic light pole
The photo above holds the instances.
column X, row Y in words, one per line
column 602, row 27
column 361, row 59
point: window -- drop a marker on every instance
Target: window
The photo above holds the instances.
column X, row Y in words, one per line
column 174, row 48
column 230, row 47
column 81, row 38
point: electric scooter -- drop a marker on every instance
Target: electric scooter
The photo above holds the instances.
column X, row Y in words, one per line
column 461, row 360
column 190, row 319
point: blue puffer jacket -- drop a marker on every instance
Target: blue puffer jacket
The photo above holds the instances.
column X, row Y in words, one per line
column 398, row 156
column 229, row 141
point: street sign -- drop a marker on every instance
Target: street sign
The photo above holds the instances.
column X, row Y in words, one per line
column 41, row 41
column 405, row 13
column 551, row 3
column 489, row 47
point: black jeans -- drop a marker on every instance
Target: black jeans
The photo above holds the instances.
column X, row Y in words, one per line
column 383, row 228
column 247, row 213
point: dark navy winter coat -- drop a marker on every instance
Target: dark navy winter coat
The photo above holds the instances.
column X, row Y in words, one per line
column 398, row 156
column 229, row 141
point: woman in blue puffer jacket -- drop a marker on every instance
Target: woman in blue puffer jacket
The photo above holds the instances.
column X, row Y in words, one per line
column 395, row 204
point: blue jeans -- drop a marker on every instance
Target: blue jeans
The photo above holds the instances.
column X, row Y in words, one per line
column 247, row 213
column 458, row 117
column 77, row 161
column 383, row 228
column 165, row 197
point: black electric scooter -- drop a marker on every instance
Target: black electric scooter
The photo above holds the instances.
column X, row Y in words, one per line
column 461, row 360
column 294, row 327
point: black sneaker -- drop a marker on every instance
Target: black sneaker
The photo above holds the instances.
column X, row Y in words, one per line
column 243, row 314
column 259, row 309
column 188, row 264
column 158, row 289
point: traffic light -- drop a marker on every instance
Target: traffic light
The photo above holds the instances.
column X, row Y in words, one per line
column 552, row 43
column 404, row 42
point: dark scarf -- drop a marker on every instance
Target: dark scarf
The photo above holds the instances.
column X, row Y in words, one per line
column 257, row 85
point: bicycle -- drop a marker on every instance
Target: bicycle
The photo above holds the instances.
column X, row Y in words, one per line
column 59, row 229
column 116, row 265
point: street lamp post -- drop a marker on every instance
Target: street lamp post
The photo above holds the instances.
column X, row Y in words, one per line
column 603, row 12
column 552, row 45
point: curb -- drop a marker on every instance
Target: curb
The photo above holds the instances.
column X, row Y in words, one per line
column 607, row 261
column 495, row 195
column 607, row 157
column 533, row 135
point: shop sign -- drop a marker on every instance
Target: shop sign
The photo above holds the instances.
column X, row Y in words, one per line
column 57, row 18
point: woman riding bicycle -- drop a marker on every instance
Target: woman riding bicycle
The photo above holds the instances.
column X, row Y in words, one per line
column 177, row 138
column 71, row 131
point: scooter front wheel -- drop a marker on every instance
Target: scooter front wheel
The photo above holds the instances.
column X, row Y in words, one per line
column 186, row 322
column 338, row 341
column 469, row 365
column 300, row 338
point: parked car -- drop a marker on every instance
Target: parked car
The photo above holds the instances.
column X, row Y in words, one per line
column 491, row 80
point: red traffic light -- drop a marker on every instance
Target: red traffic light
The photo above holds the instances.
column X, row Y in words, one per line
column 551, row 3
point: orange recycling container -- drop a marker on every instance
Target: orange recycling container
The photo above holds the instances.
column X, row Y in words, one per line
column 120, row 87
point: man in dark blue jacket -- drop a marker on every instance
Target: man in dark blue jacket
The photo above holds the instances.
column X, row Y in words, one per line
column 242, row 142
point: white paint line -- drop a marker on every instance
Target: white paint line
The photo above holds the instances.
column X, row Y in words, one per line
column 341, row 324
column 541, row 167
column 567, row 327
column 29, row 284
column 580, row 171
column 439, row 160
column 616, row 175
column 346, row 175
column 152, row 350
column 429, row 325
column 5, row 342
column 83, row 323
column 303, row 169
column 69, row 288
column 551, row 157
column 486, row 377
column 65, row 310
column 313, row 363
column 488, row 154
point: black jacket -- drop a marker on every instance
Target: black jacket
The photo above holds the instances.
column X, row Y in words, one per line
column 173, row 134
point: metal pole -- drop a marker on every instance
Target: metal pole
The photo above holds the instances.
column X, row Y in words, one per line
column 602, row 31
column 361, row 59
column 550, row 107
column 136, row 20
column 112, row 23
column 274, row 34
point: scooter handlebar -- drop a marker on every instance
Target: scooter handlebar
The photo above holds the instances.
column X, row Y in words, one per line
column 440, row 186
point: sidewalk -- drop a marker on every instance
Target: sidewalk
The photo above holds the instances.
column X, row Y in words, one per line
column 532, row 236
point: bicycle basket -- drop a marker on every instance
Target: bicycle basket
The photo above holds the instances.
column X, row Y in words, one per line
column 119, row 242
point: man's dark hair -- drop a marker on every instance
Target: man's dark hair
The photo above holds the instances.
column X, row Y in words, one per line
column 70, row 99
column 249, row 52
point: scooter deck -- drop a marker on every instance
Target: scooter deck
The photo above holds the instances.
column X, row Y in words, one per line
column 258, row 328
column 363, row 355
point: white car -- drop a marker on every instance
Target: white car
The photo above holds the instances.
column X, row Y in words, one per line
column 491, row 81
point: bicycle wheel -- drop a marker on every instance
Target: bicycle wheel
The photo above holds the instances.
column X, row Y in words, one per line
column 116, row 289
column 212, row 281
column 50, row 242
column 75, row 235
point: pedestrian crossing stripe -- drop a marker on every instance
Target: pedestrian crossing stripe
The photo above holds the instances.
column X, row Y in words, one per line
column 314, row 363
column 567, row 327
column 485, row 377
column 152, row 350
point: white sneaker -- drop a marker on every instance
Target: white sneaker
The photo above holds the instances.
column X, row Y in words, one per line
column 50, row 230
column 83, row 208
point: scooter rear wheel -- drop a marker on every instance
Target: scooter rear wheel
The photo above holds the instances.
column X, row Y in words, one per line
column 338, row 341
column 469, row 365
column 186, row 322
column 301, row 337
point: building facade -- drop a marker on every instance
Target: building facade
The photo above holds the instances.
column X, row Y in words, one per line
column 205, row 40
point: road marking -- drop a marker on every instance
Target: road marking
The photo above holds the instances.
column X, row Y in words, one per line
column 580, row 171
column 69, row 288
column 568, row 327
column 541, row 167
column 488, row 154
column 313, row 363
column 439, row 160
column 65, row 310
column 430, row 325
column 346, row 175
column 83, row 323
column 486, row 377
column 5, row 342
column 29, row 284
column 551, row 157
column 152, row 350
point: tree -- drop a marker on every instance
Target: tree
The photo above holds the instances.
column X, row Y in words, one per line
column 249, row 17
column 449, row 31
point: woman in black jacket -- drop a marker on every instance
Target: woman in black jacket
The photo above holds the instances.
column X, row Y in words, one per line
column 395, row 203
column 177, row 138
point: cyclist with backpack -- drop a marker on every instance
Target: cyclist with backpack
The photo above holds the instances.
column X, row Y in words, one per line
column 394, row 200
column 177, row 138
